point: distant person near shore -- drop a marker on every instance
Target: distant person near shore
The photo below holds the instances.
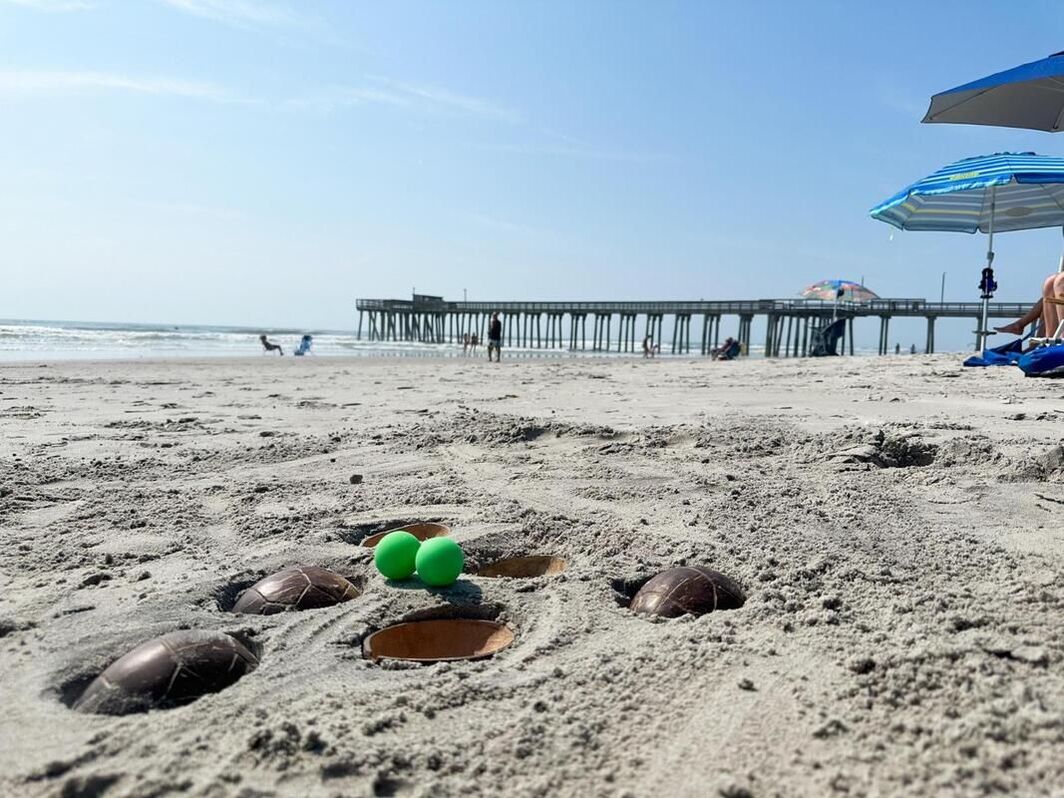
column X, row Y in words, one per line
column 465, row 343
column 474, row 342
column 268, row 347
column 729, row 350
column 495, row 338
column 648, row 347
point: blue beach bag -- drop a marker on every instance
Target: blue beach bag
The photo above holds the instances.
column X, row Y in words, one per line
column 1004, row 355
column 1046, row 361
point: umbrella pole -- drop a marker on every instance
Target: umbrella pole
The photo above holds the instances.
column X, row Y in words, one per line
column 988, row 283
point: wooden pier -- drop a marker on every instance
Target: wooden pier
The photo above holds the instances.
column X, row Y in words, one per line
column 789, row 328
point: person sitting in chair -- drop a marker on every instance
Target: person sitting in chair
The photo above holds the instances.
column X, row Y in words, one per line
column 268, row 347
column 1047, row 311
column 729, row 350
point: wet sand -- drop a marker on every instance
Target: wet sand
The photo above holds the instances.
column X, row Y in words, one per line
column 896, row 523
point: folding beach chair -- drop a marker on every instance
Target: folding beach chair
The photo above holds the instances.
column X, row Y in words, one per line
column 1058, row 335
column 826, row 339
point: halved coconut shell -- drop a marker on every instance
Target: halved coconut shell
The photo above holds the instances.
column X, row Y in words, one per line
column 171, row 670
column 523, row 567
column 439, row 640
column 422, row 531
column 300, row 587
column 689, row 589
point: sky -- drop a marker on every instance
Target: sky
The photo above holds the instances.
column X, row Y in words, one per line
column 266, row 162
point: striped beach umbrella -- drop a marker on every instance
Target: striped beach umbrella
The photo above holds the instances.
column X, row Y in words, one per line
column 990, row 194
column 846, row 290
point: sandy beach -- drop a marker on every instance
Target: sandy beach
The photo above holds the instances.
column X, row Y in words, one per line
column 897, row 524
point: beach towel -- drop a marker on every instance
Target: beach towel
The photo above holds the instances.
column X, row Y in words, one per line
column 1004, row 355
column 1046, row 361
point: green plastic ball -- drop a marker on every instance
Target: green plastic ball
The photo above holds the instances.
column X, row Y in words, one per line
column 396, row 554
column 439, row 562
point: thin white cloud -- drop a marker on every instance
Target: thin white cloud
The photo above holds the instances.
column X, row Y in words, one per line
column 15, row 82
column 241, row 13
column 578, row 152
column 215, row 212
column 414, row 97
column 52, row 5
column 441, row 98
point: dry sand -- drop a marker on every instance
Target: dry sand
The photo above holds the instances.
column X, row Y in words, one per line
column 897, row 523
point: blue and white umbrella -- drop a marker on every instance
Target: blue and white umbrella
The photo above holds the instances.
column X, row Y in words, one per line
column 989, row 194
column 1028, row 96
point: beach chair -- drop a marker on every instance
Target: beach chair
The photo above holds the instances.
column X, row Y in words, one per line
column 731, row 352
column 304, row 345
column 825, row 341
column 1058, row 335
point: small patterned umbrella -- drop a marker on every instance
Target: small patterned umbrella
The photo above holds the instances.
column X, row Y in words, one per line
column 845, row 290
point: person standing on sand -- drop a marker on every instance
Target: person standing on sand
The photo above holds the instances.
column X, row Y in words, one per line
column 474, row 342
column 495, row 338
column 648, row 347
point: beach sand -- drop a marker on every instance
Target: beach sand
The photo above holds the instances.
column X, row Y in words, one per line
column 896, row 523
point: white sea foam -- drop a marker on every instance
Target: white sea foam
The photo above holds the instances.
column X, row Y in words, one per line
column 61, row 340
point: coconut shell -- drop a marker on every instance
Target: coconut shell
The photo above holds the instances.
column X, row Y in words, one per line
column 301, row 587
column 689, row 589
column 168, row 671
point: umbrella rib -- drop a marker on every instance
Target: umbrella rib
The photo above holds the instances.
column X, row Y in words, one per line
column 959, row 103
column 1045, row 189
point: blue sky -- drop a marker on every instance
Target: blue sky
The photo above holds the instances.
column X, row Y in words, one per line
column 263, row 162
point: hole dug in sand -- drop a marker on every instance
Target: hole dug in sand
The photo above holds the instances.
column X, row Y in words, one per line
column 422, row 531
column 167, row 671
column 523, row 567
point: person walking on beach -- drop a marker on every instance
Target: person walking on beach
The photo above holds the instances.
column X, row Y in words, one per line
column 648, row 347
column 474, row 342
column 495, row 338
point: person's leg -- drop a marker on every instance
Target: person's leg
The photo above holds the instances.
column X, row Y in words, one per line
column 1017, row 327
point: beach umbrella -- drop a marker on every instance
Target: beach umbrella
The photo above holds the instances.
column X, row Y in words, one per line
column 847, row 290
column 834, row 290
column 989, row 194
column 1028, row 96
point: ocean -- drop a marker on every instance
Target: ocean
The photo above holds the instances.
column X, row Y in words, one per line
column 64, row 340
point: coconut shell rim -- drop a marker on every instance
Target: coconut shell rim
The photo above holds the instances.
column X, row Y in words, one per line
column 440, row 531
column 367, row 643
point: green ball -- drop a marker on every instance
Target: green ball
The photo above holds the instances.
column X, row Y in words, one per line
column 395, row 556
column 439, row 562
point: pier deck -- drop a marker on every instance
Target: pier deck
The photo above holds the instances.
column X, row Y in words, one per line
column 550, row 325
